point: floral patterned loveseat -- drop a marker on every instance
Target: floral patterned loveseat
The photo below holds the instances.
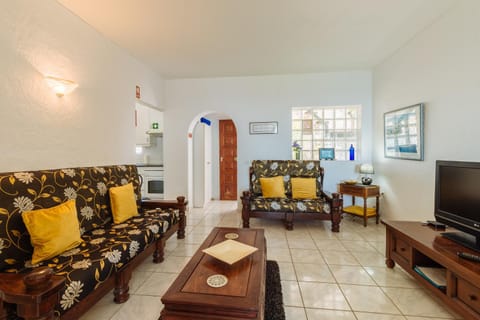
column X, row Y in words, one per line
column 103, row 261
column 323, row 207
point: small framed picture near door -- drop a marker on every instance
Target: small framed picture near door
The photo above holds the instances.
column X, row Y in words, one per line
column 403, row 133
column 270, row 127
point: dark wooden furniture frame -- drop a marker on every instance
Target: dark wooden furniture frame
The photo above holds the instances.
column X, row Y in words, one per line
column 335, row 214
column 189, row 297
column 365, row 192
column 411, row 244
column 38, row 301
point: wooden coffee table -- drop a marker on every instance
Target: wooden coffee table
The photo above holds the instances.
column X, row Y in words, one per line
column 243, row 297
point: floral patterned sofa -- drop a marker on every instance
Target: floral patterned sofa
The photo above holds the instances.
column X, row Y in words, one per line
column 323, row 207
column 103, row 261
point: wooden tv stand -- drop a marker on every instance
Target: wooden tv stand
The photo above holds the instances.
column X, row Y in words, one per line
column 411, row 244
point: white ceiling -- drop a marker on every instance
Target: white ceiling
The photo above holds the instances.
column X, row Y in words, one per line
column 212, row 38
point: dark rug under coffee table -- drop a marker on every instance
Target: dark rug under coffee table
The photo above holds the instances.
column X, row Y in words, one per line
column 273, row 293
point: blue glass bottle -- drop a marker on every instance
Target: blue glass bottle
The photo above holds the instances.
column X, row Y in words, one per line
column 352, row 152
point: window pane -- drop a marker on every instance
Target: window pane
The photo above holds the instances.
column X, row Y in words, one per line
column 339, row 124
column 340, row 145
column 318, row 114
column 328, row 143
column 317, row 135
column 297, row 125
column 318, row 124
column 352, row 113
column 317, row 144
column 307, row 125
column 307, row 114
column 307, row 155
column 296, row 135
column 307, row 136
column 296, row 114
column 340, row 113
column 328, row 113
column 307, row 145
column 351, row 123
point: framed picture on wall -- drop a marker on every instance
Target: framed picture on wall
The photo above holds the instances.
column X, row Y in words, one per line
column 270, row 127
column 403, row 133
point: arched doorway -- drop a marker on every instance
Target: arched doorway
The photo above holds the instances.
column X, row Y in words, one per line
column 205, row 139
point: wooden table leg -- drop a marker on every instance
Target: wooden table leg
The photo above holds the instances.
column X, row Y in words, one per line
column 377, row 209
column 388, row 249
column 365, row 212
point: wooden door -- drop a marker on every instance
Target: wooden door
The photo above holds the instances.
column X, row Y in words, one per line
column 228, row 160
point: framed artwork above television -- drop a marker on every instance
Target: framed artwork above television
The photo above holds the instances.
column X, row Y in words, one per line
column 403, row 133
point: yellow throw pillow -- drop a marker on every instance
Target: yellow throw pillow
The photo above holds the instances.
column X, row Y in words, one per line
column 52, row 230
column 123, row 203
column 304, row 188
column 272, row 187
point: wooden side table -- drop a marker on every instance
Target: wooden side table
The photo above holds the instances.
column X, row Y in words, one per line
column 364, row 191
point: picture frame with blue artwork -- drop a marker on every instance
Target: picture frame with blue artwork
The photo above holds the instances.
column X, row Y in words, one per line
column 326, row 153
column 403, row 133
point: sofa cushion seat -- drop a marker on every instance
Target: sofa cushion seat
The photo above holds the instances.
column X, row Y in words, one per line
column 122, row 242
column 319, row 205
column 271, row 204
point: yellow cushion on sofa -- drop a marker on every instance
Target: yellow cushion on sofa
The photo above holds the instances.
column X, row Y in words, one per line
column 273, row 187
column 304, row 188
column 52, row 230
column 123, row 203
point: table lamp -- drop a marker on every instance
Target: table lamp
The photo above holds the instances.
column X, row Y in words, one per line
column 366, row 169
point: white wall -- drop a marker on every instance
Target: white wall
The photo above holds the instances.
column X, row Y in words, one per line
column 441, row 68
column 94, row 125
column 262, row 98
column 208, row 163
column 199, row 166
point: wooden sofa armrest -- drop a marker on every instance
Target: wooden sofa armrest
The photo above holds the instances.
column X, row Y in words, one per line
column 333, row 198
column 327, row 195
column 245, row 195
column 35, row 294
column 180, row 204
column 336, row 207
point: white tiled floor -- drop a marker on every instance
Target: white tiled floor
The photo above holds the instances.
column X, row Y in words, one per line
column 325, row 275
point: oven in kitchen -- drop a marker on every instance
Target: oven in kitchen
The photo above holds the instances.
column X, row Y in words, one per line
column 153, row 185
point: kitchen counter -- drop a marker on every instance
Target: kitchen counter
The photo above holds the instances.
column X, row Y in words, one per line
column 149, row 165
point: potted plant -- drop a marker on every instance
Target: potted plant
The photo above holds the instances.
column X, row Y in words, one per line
column 296, row 148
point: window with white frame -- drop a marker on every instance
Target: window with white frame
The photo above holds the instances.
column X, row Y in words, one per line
column 337, row 127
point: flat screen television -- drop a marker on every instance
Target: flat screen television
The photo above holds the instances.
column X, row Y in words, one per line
column 457, row 200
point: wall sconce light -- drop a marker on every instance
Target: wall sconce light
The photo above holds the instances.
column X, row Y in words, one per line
column 60, row 86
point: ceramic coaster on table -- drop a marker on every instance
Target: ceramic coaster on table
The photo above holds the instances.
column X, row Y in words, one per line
column 217, row 281
column 231, row 235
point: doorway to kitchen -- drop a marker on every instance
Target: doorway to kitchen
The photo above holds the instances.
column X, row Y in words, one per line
column 149, row 149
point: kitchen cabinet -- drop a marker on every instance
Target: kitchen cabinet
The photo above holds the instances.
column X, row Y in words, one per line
column 141, row 125
column 144, row 118
column 155, row 116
